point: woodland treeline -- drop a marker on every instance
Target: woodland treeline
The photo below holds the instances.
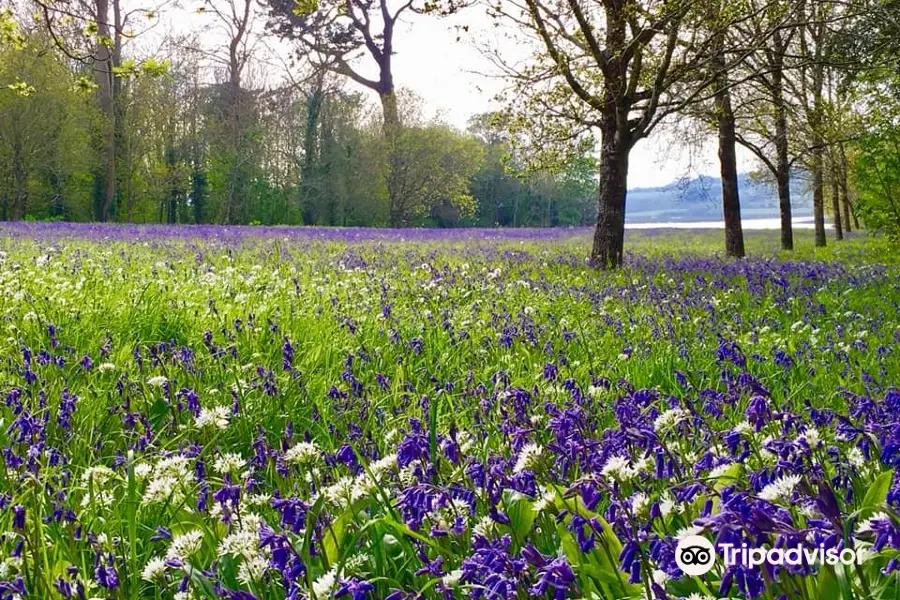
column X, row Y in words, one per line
column 192, row 147
column 95, row 125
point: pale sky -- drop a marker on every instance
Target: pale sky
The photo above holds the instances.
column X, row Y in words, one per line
column 454, row 78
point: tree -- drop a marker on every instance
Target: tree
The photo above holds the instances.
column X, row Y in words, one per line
column 332, row 32
column 237, row 105
column 622, row 69
column 433, row 166
column 878, row 179
column 820, row 22
column 99, row 44
column 45, row 123
column 765, row 111
column 725, row 121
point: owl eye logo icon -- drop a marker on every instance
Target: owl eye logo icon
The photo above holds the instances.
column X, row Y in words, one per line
column 695, row 555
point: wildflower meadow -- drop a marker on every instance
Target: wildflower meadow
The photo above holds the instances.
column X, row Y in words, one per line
column 275, row 413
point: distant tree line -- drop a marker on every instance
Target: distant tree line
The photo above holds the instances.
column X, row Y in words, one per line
column 91, row 128
column 209, row 141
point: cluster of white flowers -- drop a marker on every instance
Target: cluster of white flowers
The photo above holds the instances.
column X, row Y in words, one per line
column 452, row 578
column 744, row 427
column 721, row 470
column 96, row 476
column 160, row 489
column 324, row 585
column 185, row 545
column 229, row 462
column 170, row 476
column 660, row 577
column 446, row 516
column 241, row 542
column 302, row 453
column 780, row 489
column 217, row 417
column 670, row 418
column 154, row 569
column 688, row 532
column 595, row 391
column 378, row 470
column 528, row 458
column 667, row 505
column 811, row 437
column 546, row 498
column 344, row 492
column 157, row 381
column 258, row 500
column 640, row 503
column 856, row 458
column 484, row 527
column 466, row 441
column 866, row 526
column 408, row 473
column 621, row 469
column 252, row 569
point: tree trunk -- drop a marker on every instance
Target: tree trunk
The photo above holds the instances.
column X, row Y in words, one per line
column 310, row 143
column 392, row 131
column 842, row 182
column 819, row 197
column 389, row 111
column 836, row 203
column 815, row 118
column 103, row 73
column 836, row 199
column 20, row 180
column 783, row 180
column 782, row 160
column 609, row 237
column 731, row 202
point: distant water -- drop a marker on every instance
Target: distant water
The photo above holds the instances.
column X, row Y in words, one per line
column 769, row 223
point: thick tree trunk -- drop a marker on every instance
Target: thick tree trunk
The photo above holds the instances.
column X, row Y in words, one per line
column 609, row 237
column 731, row 202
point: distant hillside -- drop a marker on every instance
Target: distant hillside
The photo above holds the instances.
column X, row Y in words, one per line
column 699, row 199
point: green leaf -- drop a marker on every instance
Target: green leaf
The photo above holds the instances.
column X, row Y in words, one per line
column 877, row 493
column 520, row 510
column 334, row 535
column 827, row 587
column 158, row 412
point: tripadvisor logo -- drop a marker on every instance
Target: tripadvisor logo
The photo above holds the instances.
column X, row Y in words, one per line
column 696, row 555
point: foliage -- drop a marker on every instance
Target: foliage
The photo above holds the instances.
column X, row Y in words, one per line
column 45, row 154
column 430, row 166
column 878, row 180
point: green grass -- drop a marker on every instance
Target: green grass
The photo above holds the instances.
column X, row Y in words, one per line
column 453, row 326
